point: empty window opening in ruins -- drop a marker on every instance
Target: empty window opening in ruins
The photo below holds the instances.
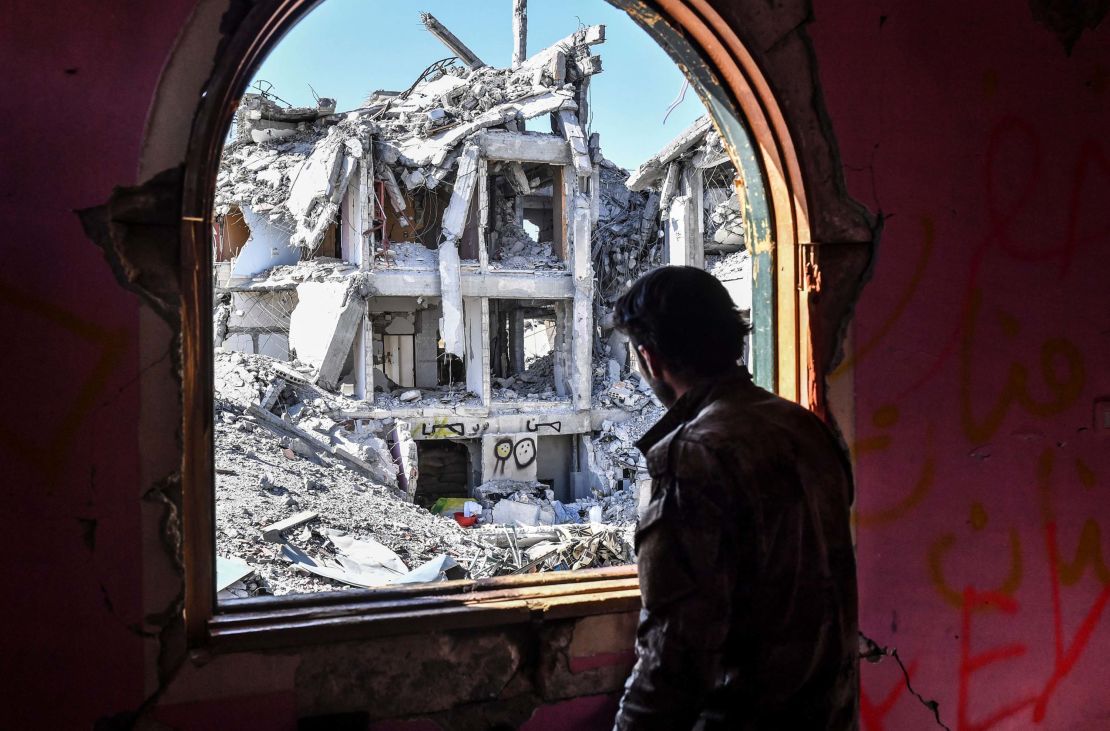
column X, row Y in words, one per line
column 528, row 350
column 527, row 228
column 402, row 332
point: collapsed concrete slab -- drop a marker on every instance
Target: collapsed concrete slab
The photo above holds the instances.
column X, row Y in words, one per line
column 323, row 327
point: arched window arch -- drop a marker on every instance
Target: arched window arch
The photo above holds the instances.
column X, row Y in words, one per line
column 757, row 136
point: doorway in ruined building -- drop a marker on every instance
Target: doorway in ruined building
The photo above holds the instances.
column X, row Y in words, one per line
column 420, row 281
column 445, row 473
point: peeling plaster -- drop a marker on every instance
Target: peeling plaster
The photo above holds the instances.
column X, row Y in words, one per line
column 139, row 232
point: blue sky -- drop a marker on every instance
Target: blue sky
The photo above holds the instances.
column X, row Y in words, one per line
column 348, row 48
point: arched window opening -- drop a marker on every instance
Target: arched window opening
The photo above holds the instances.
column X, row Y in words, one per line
column 415, row 373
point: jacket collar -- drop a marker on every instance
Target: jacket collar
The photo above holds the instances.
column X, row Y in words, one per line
column 696, row 399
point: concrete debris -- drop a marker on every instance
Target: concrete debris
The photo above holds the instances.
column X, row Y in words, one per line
column 274, row 531
column 230, row 571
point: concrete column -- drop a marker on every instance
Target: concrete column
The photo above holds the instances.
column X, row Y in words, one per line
column 695, row 189
column 562, row 348
column 680, row 231
column 476, row 311
column 516, row 340
column 520, row 32
column 582, row 336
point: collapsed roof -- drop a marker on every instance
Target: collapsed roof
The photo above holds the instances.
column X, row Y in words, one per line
column 294, row 167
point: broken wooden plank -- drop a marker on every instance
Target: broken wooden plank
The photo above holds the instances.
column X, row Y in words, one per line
column 272, row 532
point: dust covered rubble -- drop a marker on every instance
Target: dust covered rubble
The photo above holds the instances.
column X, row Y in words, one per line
column 534, row 383
column 515, row 248
column 266, row 473
column 263, row 477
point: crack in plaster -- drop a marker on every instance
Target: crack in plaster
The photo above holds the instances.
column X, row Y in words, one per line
column 875, row 653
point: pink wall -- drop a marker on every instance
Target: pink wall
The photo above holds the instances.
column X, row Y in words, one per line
column 78, row 81
column 980, row 348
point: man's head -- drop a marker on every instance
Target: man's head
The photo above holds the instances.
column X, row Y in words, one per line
column 684, row 327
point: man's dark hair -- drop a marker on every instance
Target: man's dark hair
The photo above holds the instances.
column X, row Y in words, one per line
column 685, row 317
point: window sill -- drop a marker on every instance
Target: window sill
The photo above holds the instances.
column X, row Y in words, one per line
column 272, row 622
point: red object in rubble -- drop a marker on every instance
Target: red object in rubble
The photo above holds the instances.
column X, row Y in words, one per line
column 464, row 521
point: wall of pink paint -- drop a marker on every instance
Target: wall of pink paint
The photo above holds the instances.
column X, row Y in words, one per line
column 979, row 349
column 78, row 81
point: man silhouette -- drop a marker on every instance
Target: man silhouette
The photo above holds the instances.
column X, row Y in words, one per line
column 746, row 564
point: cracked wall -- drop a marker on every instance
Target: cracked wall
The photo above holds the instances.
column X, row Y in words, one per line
column 977, row 359
column 967, row 389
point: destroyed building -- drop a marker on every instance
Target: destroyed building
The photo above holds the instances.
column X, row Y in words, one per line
column 425, row 263
column 699, row 211
column 438, row 281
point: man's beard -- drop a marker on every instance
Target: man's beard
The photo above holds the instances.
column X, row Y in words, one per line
column 662, row 390
column 665, row 393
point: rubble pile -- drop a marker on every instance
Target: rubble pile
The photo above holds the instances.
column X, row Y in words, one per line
column 314, row 494
column 536, row 382
column 307, row 503
column 317, row 269
column 411, row 398
column 297, row 183
column 626, row 241
column 296, row 177
column 516, row 249
column 729, row 266
column 724, row 226
column 406, row 255
column 421, row 130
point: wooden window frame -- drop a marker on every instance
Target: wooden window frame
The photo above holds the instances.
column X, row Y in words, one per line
column 729, row 81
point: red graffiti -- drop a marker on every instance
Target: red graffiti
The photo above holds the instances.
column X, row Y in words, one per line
column 1013, row 138
column 871, row 713
column 970, row 664
column 1065, row 657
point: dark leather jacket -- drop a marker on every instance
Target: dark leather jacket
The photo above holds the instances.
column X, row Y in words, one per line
column 747, row 571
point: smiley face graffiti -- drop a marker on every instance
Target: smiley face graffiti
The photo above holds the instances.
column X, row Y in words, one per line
column 524, row 453
column 522, row 450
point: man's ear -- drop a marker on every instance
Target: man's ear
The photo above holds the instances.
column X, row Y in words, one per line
column 649, row 362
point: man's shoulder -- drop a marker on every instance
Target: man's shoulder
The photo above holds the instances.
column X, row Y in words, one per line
column 732, row 423
column 682, row 454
